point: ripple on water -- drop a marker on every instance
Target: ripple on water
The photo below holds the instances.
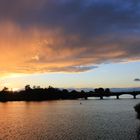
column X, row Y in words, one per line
column 68, row 120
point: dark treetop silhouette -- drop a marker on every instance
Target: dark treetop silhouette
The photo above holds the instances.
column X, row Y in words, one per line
column 39, row 94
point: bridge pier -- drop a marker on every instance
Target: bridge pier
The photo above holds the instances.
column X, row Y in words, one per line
column 101, row 97
column 134, row 96
column 86, row 98
column 117, row 96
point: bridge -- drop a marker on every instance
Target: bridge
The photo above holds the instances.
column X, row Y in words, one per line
column 116, row 94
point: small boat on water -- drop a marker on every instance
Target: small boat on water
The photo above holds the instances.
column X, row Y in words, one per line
column 137, row 109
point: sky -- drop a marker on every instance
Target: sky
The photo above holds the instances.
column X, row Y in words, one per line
column 70, row 43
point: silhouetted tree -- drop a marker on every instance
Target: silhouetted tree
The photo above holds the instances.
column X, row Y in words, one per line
column 5, row 89
column 27, row 88
column 82, row 91
column 99, row 90
column 107, row 90
column 65, row 91
column 38, row 94
column 96, row 90
column 34, row 87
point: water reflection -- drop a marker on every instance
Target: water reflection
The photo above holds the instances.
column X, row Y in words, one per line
column 66, row 120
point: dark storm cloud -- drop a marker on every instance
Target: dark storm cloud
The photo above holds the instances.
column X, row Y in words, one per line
column 84, row 17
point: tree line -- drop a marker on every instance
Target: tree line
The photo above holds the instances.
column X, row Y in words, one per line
column 36, row 93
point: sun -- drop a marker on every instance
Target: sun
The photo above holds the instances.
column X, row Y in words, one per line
column 15, row 89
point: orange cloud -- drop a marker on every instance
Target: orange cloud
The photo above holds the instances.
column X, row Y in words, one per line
column 39, row 50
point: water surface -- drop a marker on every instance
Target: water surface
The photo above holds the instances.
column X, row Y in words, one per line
column 69, row 120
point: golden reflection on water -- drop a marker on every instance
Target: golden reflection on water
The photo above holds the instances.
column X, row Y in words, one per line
column 66, row 120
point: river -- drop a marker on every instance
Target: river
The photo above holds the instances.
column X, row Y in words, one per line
column 108, row 119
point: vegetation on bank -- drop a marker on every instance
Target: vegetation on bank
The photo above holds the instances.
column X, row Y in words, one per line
column 137, row 109
column 38, row 94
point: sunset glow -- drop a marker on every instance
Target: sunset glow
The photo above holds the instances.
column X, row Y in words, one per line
column 69, row 43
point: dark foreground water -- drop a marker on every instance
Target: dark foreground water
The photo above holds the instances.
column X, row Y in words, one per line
column 70, row 120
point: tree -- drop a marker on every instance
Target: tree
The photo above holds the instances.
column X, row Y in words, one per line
column 65, row 91
column 96, row 90
column 5, row 89
column 82, row 91
column 99, row 90
column 27, row 87
column 107, row 90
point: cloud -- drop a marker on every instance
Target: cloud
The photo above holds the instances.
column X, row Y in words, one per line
column 137, row 79
column 40, row 36
column 85, row 17
column 73, row 69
